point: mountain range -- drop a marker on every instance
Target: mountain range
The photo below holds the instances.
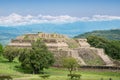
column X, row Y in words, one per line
column 70, row 29
column 113, row 34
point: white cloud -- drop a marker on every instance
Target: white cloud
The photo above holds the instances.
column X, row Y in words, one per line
column 100, row 18
column 104, row 18
column 16, row 19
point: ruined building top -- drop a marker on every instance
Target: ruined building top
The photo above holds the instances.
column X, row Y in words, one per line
column 53, row 41
column 40, row 35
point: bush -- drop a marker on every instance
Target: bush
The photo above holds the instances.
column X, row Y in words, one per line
column 74, row 76
column 44, row 76
column 5, row 77
column 70, row 63
column 10, row 53
column 1, row 49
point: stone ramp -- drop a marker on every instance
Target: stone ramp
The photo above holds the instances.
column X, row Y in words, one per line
column 104, row 57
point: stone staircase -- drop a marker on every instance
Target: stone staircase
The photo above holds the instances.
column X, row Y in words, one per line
column 104, row 57
column 74, row 53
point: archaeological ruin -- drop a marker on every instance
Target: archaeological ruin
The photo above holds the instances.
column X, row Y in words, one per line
column 61, row 46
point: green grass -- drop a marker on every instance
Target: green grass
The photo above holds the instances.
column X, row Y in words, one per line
column 9, row 68
column 55, row 73
column 72, row 43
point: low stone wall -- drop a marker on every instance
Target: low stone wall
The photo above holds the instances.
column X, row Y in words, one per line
column 21, row 41
column 101, row 67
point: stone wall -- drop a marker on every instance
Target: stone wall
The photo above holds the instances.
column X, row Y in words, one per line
column 45, row 35
column 85, row 56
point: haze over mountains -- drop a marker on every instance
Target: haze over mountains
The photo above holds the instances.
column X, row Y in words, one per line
column 14, row 25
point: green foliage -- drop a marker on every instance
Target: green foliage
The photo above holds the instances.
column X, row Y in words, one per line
column 1, row 49
column 37, row 58
column 70, row 63
column 108, row 34
column 72, row 43
column 112, row 48
column 10, row 53
column 74, row 76
column 44, row 76
column 5, row 77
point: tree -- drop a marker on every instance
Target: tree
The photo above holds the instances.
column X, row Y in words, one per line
column 70, row 63
column 111, row 47
column 37, row 58
column 10, row 53
column 1, row 49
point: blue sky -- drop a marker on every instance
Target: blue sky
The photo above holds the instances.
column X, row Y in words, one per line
column 76, row 8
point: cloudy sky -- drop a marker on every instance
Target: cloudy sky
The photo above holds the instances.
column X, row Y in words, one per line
column 76, row 8
column 22, row 12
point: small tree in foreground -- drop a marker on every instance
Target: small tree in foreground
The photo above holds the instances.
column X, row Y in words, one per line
column 37, row 58
column 70, row 63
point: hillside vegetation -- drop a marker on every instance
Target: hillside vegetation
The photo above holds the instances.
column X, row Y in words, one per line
column 111, row 47
column 109, row 40
column 108, row 34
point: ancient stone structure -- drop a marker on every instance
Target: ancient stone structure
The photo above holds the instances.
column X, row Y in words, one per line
column 83, row 42
column 60, row 45
column 53, row 41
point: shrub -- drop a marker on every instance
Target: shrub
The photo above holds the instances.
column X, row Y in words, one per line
column 1, row 49
column 44, row 76
column 5, row 77
column 70, row 63
column 74, row 76
column 10, row 53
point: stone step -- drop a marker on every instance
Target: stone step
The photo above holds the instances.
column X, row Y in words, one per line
column 75, row 55
column 105, row 58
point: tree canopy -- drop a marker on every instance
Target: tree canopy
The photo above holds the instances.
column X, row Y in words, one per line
column 70, row 63
column 10, row 53
column 1, row 49
column 111, row 47
column 37, row 58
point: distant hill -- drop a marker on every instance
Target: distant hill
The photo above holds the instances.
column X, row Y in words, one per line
column 108, row 34
column 70, row 29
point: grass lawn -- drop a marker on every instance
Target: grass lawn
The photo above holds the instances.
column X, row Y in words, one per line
column 55, row 73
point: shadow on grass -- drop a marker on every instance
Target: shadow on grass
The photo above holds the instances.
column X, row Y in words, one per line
column 22, row 70
column 19, row 68
column 6, row 61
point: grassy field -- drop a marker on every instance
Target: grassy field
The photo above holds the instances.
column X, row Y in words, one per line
column 17, row 73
